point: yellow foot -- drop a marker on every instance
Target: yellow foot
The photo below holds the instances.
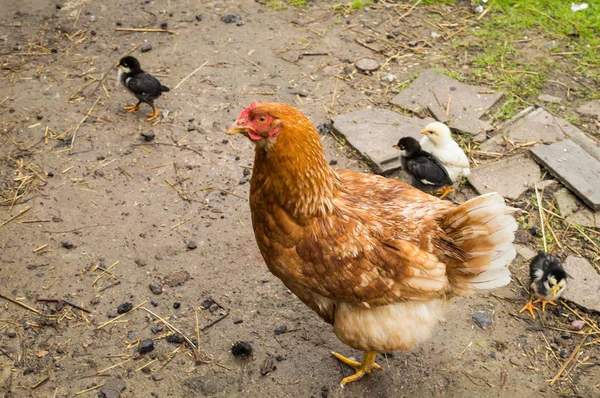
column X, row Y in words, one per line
column 152, row 116
column 529, row 307
column 132, row 108
column 445, row 192
column 544, row 303
column 364, row 368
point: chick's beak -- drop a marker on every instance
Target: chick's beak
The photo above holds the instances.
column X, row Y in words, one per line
column 395, row 146
column 120, row 66
column 555, row 291
column 425, row 132
column 236, row 127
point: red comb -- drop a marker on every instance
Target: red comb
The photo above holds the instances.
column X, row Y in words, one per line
column 246, row 112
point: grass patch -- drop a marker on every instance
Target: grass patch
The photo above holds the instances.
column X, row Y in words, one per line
column 298, row 3
column 278, row 5
column 360, row 4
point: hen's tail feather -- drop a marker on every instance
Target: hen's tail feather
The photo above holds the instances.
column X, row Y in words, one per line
column 484, row 229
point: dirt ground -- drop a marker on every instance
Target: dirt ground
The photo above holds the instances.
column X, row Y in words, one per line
column 92, row 214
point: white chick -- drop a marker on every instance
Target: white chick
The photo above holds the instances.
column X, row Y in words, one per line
column 438, row 141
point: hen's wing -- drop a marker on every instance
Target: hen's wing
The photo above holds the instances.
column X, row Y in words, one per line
column 382, row 244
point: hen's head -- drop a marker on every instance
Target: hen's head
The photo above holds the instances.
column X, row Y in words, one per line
column 264, row 123
column 437, row 132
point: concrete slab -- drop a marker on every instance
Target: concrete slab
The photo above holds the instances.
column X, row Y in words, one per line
column 549, row 98
column 525, row 251
column 575, row 211
column 591, row 108
column 583, row 284
column 575, row 168
column 433, row 91
column 373, row 132
column 541, row 126
column 510, row 177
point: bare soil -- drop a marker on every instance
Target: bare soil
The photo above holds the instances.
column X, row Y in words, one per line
column 92, row 214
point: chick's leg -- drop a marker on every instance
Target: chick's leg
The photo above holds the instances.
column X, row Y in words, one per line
column 529, row 307
column 364, row 368
column 154, row 114
column 133, row 108
column 445, row 191
column 544, row 303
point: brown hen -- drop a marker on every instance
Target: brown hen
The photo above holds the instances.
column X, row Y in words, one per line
column 374, row 257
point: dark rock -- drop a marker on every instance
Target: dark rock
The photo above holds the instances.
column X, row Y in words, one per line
column 241, row 349
column 28, row 371
column 413, row 43
column 157, row 377
column 155, row 329
column 164, row 25
column 68, row 245
column 112, row 389
column 146, row 48
column 246, row 172
column 484, row 318
column 237, row 321
column 50, row 174
column 213, row 307
column 534, row 231
column 280, row 358
column 207, row 303
column 563, row 353
column 148, row 135
column 156, row 287
column 192, row 245
column 140, row 262
column 333, row 162
column 10, row 333
column 123, row 308
column 154, row 303
column 118, row 23
column 146, row 346
column 230, row 18
column 281, row 329
column 176, row 305
column 175, row 338
column 198, row 17
column 244, row 180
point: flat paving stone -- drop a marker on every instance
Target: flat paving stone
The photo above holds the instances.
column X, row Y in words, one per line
column 574, row 210
column 433, row 91
column 591, row 108
column 538, row 125
column 575, row 168
column 373, row 132
column 525, row 251
column 583, row 284
column 509, row 177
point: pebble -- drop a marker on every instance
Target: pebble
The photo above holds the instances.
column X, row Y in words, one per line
column 175, row 338
column 577, row 325
column 178, row 277
column 563, row 353
column 146, row 48
column 112, row 388
column 198, row 17
column 125, row 307
column 67, row 245
column 281, row 329
column 241, row 349
column 207, row 303
column 484, row 319
column 176, row 305
column 148, row 135
column 191, row 127
column 164, row 25
column 247, row 172
column 333, row 162
column 367, row 64
column 230, row 18
column 157, row 377
column 156, row 287
column 244, row 180
column 146, row 346
column 192, row 245
column 10, row 333
column 237, row 321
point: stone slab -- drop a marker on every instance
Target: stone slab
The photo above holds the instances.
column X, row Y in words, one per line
column 549, row 98
column 575, row 168
column 373, row 132
column 509, row 177
column 591, row 108
column 541, row 126
column 468, row 104
column 525, row 251
column 575, row 211
column 583, row 284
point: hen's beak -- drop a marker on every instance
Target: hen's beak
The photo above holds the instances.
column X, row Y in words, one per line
column 555, row 290
column 236, row 128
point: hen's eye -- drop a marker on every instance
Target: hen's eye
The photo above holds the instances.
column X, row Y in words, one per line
column 261, row 119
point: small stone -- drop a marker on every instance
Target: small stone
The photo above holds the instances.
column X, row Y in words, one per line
column 549, row 98
column 484, row 316
column 563, row 353
column 176, row 305
column 146, row 48
column 175, row 338
column 68, row 245
column 123, row 308
column 478, row 9
column 246, row 172
column 156, row 287
column 577, row 325
column 413, row 43
column 191, row 127
column 244, row 180
column 157, row 377
column 281, row 329
column 237, row 321
column 333, row 162
column 154, row 329
column 111, row 315
column 146, row 346
column 177, row 278
column 367, row 64
column 207, row 303
column 164, row 25
column 230, row 18
column 198, row 17
column 154, row 303
column 112, row 388
column 191, row 245
column 534, row 231
column 10, row 333
column 388, row 78
column 28, row 371
column 213, row 307
column 148, row 135
column 241, row 349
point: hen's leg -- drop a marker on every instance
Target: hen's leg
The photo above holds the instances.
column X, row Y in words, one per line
column 153, row 115
column 133, row 108
column 529, row 307
column 364, row 368
column 544, row 303
column 445, row 191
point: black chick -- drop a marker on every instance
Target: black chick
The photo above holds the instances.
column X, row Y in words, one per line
column 425, row 170
column 548, row 281
column 144, row 86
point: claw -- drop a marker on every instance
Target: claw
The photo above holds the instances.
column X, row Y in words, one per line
column 367, row 366
column 529, row 307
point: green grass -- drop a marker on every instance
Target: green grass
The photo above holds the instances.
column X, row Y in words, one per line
column 278, row 5
column 298, row 3
column 360, row 4
column 503, row 56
